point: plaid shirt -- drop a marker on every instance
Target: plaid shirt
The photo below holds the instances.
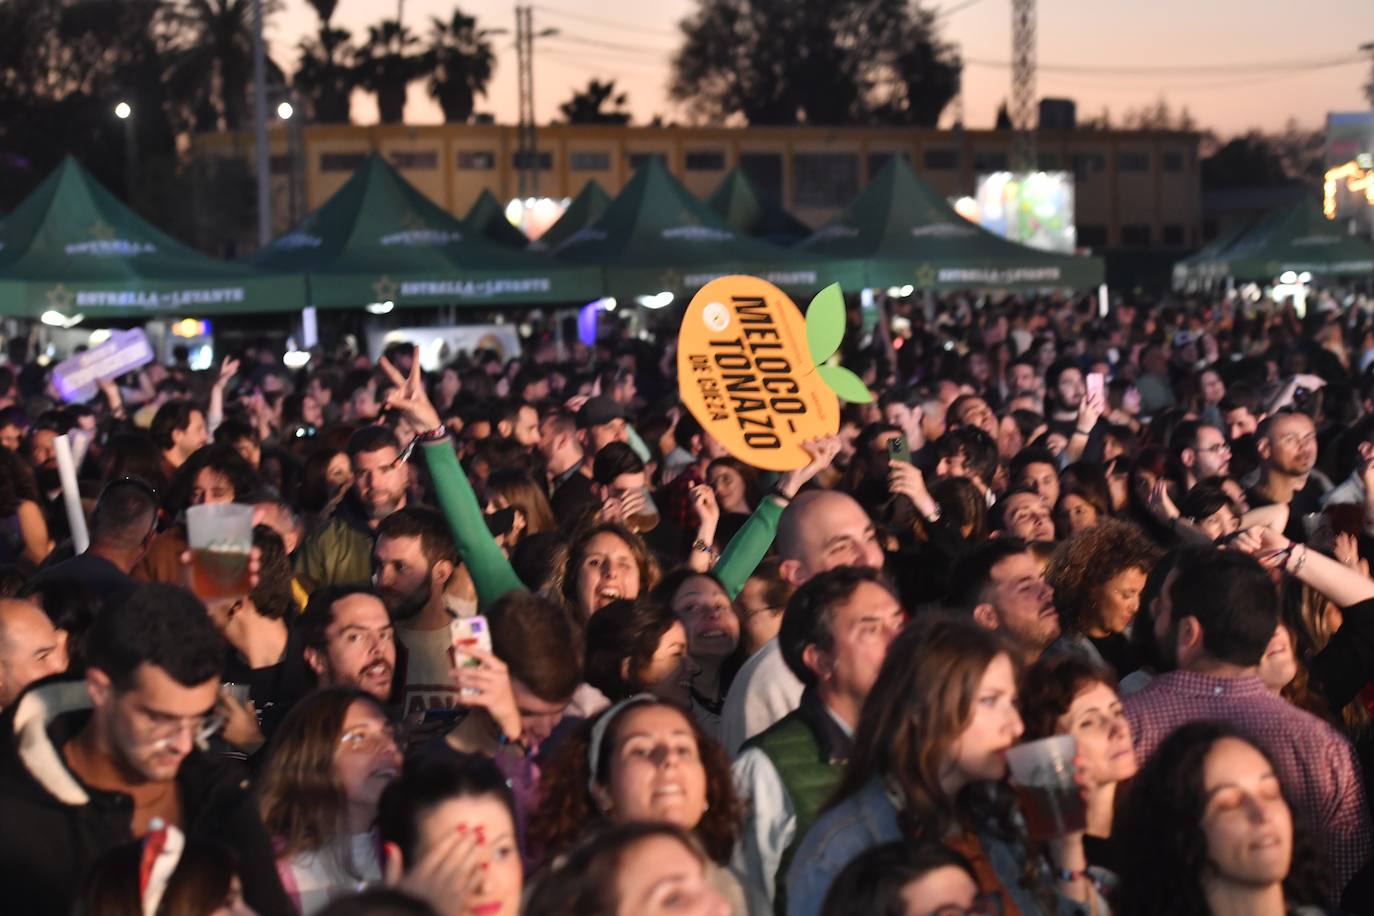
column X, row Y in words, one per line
column 1316, row 763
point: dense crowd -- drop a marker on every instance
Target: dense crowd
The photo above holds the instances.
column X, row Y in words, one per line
column 707, row 689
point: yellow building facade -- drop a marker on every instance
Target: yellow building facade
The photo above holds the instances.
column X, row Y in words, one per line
column 1133, row 189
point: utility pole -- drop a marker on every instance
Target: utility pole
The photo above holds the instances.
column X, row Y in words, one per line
column 1023, row 113
column 527, row 139
column 260, row 128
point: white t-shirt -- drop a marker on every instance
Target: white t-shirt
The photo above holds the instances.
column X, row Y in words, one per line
column 763, row 692
column 312, row 879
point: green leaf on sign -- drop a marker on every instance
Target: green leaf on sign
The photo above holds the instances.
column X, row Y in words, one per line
column 845, row 384
column 825, row 323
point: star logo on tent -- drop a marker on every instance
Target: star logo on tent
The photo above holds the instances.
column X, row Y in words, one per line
column 385, row 288
column 687, row 218
column 102, row 231
column 925, row 276
column 413, row 220
column 61, row 298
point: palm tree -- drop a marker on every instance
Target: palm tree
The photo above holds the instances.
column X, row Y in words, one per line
column 461, row 61
column 210, row 58
column 324, row 75
column 387, row 64
column 585, row 106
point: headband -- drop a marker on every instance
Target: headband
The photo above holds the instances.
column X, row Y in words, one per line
column 162, row 848
column 599, row 731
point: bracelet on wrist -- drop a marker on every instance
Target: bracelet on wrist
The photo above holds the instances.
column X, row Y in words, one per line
column 779, row 495
column 1083, row 432
column 433, row 435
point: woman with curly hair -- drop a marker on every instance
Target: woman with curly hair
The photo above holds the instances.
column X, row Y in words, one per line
column 642, row 760
column 929, row 763
column 1208, row 830
column 1097, row 576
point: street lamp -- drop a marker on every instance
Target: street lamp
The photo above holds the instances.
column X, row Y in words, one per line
column 285, row 111
column 123, row 110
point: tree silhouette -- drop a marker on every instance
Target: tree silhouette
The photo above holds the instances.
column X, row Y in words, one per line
column 461, row 61
column 387, row 63
column 210, row 59
column 814, row 62
column 585, row 106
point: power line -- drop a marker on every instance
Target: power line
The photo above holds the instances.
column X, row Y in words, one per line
column 1267, row 67
column 956, row 8
column 612, row 45
column 610, row 24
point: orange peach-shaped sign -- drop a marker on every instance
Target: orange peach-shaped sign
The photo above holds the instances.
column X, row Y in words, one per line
column 745, row 372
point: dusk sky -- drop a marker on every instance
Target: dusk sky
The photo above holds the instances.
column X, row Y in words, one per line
column 1235, row 64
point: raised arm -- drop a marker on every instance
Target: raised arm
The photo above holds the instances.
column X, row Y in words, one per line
column 492, row 574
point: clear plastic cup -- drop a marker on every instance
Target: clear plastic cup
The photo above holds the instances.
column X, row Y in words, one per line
column 221, row 538
column 1042, row 773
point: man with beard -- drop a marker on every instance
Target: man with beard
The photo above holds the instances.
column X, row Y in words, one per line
column 412, row 562
column 339, row 551
column 1288, row 455
column 88, row 766
column 350, row 640
column 1000, row 586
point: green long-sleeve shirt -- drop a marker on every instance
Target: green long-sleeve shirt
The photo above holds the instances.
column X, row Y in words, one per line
column 491, row 572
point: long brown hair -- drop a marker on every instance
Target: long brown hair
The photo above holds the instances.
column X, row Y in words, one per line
column 520, row 491
column 565, row 582
column 302, row 805
column 568, row 809
column 918, row 708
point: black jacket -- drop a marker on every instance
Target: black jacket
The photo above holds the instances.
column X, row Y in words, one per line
column 54, row 827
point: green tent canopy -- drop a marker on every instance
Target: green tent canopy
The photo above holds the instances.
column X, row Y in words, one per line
column 584, row 210
column 378, row 239
column 656, row 237
column 907, row 234
column 748, row 210
column 1296, row 238
column 74, row 248
column 487, row 218
column 1202, row 268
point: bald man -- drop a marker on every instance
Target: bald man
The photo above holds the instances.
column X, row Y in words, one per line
column 819, row 530
column 31, row 648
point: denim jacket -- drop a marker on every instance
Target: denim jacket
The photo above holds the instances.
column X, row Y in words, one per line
column 869, row 818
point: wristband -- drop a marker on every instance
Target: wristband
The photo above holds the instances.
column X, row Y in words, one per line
column 778, row 494
column 1083, row 432
column 433, row 435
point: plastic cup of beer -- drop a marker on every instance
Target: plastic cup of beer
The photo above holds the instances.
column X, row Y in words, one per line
column 221, row 538
column 1042, row 773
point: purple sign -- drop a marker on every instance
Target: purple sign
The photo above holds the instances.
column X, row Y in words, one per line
column 78, row 378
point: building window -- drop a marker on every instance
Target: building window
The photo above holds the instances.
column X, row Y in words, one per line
column 1133, row 162
column 541, row 161
column 424, row 162
column 940, row 160
column 1091, row 235
column 639, row 159
column 341, row 162
column 876, row 161
column 472, row 160
column 1172, row 235
column 1136, row 235
column 824, row 180
column 705, row 160
column 764, row 170
column 1087, row 163
column 1171, row 161
column 589, row 162
column 989, row 162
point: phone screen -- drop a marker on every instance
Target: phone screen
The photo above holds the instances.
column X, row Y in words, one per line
column 898, row 450
column 1095, row 384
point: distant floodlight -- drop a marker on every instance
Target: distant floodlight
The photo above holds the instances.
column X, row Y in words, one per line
column 1304, row 277
column 123, row 110
column 1289, row 277
column 908, row 290
column 285, row 111
column 380, row 308
column 296, row 359
column 58, row 320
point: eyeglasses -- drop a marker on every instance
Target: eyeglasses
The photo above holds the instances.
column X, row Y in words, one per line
column 366, row 741
column 166, row 729
column 1217, row 449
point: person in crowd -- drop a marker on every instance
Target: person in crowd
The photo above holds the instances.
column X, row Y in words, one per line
column 325, row 478
column 1200, row 450
column 641, row 867
column 329, row 762
column 413, row 559
column 350, row 640
column 1217, row 612
column 928, row 763
column 834, row 636
column 907, row 879
column 24, row 536
column 1021, row 513
column 165, row 872
column 266, row 652
column 86, row 767
column 515, row 493
column 1209, row 828
column 448, row 831
column 1001, row 586
column 642, row 760
column 569, row 471
column 214, row 475
column 339, row 551
column 636, row 647
column 737, row 489
column 179, row 430
column 1036, row 470
column 713, row 639
column 1208, row 508
column 1071, row 695
column 1097, row 577
column 31, row 648
column 760, row 605
column 1080, row 507
column 1288, row 477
